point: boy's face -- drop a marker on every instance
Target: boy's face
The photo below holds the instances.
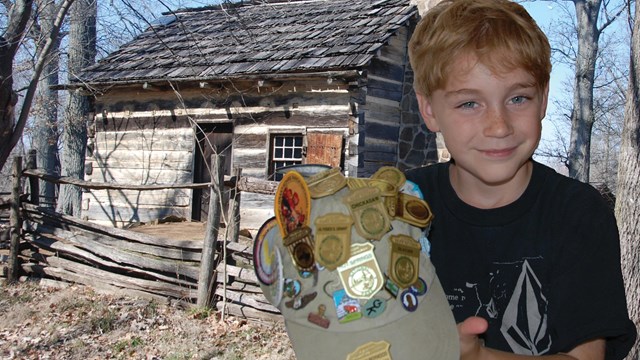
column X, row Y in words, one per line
column 490, row 122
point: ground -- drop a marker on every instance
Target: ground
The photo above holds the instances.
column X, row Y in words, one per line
column 74, row 322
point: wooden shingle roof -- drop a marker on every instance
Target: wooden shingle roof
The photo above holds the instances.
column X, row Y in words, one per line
column 241, row 41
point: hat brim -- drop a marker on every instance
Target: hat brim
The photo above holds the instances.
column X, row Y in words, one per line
column 428, row 333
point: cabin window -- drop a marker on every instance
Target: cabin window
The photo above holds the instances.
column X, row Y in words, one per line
column 286, row 149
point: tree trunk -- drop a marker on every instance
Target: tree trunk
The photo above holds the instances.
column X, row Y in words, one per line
column 582, row 115
column 45, row 109
column 9, row 42
column 82, row 52
column 628, row 199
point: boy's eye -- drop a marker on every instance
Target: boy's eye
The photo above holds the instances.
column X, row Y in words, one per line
column 467, row 105
column 519, row 99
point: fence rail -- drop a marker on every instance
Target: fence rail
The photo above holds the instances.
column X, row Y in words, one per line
column 216, row 271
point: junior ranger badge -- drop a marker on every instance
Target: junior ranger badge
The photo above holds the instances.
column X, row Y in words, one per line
column 369, row 213
column 405, row 260
column 413, row 210
column 360, row 275
column 333, row 240
column 300, row 245
column 326, row 183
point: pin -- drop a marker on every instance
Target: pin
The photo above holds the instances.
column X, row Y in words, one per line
column 374, row 350
column 291, row 288
column 326, row 183
column 333, row 240
column 392, row 175
column 419, row 287
column 319, row 318
column 300, row 245
column 300, row 302
column 360, row 275
column 409, row 300
column 347, row 308
column 391, row 287
column 292, row 203
column 374, row 307
column 276, row 289
column 367, row 209
column 263, row 252
column 405, row 260
column 413, row 210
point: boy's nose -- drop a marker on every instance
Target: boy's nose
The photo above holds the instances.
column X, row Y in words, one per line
column 497, row 124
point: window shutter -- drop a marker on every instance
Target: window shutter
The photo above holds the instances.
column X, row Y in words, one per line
column 324, row 148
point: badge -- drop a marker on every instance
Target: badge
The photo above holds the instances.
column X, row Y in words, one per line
column 360, row 275
column 419, row 287
column 326, row 183
column 392, row 175
column 263, row 252
column 300, row 245
column 291, row 288
column 391, row 287
column 347, row 308
column 333, row 240
column 409, row 300
column 375, row 350
column 292, row 203
column 413, row 210
column 319, row 318
column 276, row 289
column 405, row 260
column 369, row 213
column 374, row 307
column 299, row 302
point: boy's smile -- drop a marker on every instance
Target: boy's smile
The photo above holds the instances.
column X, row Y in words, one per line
column 491, row 125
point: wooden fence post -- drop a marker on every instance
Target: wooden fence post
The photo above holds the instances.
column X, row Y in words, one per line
column 15, row 223
column 34, row 184
column 207, row 264
column 234, row 207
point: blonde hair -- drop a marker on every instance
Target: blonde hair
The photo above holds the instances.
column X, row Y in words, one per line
column 499, row 33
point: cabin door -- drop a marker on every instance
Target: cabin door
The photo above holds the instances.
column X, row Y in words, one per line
column 211, row 139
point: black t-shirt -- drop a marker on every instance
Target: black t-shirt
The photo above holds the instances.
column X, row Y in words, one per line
column 544, row 270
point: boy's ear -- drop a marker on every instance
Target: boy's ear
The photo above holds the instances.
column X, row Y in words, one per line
column 426, row 110
column 544, row 102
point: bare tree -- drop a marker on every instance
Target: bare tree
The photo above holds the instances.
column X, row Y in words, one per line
column 45, row 107
column 588, row 12
column 10, row 128
column 82, row 53
column 628, row 204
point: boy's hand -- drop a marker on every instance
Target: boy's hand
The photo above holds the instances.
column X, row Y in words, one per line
column 468, row 331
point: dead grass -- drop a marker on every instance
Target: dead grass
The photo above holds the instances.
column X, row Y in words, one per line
column 77, row 323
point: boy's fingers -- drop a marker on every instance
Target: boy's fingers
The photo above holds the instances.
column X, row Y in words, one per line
column 473, row 326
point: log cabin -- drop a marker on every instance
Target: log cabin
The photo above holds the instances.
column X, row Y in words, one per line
column 266, row 84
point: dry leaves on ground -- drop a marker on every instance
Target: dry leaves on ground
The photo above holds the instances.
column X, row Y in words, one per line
column 76, row 323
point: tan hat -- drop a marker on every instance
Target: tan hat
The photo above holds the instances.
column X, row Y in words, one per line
column 344, row 266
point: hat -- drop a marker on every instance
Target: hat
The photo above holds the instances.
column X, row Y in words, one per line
column 343, row 262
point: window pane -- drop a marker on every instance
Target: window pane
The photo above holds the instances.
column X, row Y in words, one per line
column 288, row 153
column 278, row 153
column 278, row 140
column 297, row 153
column 298, row 140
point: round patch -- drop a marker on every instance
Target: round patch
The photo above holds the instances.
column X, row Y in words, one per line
column 263, row 252
column 419, row 287
column 409, row 300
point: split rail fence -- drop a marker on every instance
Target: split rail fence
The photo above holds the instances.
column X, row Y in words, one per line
column 215, row 272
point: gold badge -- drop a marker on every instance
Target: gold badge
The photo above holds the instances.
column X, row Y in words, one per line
column 413, row 210
column 360, row 275
column 333, row 240
column 405, row 260
column 378, row 350
column 392, row 175
column 292, row 204
column 300, row 245
column 326, row 183
column 369, row 213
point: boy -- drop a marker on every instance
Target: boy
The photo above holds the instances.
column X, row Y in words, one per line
column 529, row 259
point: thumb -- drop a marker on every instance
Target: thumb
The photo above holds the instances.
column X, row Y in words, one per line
column 468, row 331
